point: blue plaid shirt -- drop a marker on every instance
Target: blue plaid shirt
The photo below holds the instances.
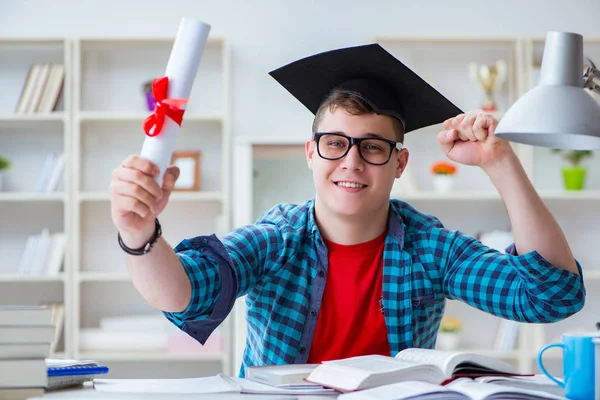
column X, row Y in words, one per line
column 280, row 263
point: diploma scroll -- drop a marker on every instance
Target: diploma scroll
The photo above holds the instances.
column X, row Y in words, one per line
column 181, row 70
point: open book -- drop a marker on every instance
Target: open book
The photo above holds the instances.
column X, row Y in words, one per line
column 432, row 366
column 461, row 389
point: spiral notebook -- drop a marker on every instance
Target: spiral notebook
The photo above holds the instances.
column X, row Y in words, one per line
column 65, row 373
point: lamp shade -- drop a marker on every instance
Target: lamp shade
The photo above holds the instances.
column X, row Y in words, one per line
column 558, row 113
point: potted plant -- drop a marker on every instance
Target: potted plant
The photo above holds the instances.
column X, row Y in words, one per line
column 449, row 333
column 443, row 175
column 4, row 166
column 574, row 174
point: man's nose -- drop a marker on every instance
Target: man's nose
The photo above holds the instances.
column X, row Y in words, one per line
column 353, row 160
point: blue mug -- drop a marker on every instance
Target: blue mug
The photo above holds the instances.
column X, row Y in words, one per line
column 578, row 365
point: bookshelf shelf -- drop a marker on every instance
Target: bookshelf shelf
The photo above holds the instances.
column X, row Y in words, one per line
column 40, row 117
column 32, row 278
column 31, row 197
column 175, row 196
column 101, row 116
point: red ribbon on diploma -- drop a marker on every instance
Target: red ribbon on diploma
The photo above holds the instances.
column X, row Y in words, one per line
column 164, row 107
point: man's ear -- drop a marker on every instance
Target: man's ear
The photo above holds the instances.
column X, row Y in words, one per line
column 310, row 152
column 401, row 162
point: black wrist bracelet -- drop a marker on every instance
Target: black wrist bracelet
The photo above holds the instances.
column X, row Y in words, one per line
column 147, row 247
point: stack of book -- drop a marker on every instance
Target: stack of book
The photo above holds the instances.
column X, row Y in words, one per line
column 26, row 335
column 42, row 89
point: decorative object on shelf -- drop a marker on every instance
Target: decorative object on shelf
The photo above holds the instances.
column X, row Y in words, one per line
column 149, row 96
column 4, row 166
column 443, row 176
column 490, row 78
column 449, row 334
column 574, row 175
column 189, row 166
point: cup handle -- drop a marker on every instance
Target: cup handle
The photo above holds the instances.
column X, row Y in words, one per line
column 541, row 365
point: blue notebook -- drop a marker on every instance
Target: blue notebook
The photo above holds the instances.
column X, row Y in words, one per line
column 65, row 373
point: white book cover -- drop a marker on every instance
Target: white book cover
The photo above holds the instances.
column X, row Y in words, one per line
column 23, row 373
column 45, row 172
column 40, row 85
column 56, row 254
column 26, row 256
column 26, row 334
column 28, row 89
column 41, row 250
column 52, row 90
column 25, row 315
column 24, row 350
column 56, row 175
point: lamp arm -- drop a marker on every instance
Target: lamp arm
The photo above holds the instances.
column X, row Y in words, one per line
column 590, row 73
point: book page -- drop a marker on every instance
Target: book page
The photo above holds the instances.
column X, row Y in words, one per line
column 439, row 358
column 448, row 361
column 373, row 363
column 483, row 391
column 405, row 391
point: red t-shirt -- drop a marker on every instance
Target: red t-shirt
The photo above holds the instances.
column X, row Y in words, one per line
column 350, row 320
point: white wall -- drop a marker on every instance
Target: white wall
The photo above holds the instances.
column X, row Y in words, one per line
column 265, row 34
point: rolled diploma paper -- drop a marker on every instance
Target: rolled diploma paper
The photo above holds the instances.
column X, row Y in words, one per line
column 181, row 70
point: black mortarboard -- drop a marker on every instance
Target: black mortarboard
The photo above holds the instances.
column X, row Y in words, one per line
column 389, row 86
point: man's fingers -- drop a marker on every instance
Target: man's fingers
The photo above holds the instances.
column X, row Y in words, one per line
column 131, row 190
column 171, row 176
column 466, row 126
column 136, row 162
column 447, row 140
column 139, row 178
column 480, row 126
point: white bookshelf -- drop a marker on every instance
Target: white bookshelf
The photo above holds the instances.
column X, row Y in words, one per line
column 25, row 139
column 272, row 169
column 108, row 111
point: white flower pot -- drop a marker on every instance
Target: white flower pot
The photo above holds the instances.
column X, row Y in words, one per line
column 2, row 174
column 443, row 183
column 448, row 341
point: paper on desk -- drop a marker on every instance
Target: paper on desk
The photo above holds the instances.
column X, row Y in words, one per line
column 251, row 387
column 211, row 384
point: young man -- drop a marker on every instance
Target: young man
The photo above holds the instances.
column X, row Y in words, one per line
column 352, row 272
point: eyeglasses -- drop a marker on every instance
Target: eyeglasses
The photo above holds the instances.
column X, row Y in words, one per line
column 335, row 145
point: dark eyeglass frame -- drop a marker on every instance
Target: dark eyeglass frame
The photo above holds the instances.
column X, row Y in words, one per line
column 352, row 140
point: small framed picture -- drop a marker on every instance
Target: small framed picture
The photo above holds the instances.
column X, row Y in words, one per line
column 189, row 165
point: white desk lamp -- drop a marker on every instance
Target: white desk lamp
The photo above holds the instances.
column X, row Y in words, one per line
column 559, row 113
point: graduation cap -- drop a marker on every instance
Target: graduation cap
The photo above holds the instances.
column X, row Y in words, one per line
column 379, row 78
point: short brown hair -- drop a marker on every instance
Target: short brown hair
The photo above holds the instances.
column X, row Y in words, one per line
column 354, row 105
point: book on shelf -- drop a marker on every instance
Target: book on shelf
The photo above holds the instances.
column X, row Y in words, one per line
column 20, row 334
column 42, row 89
column 51, row 173
column 426, row 365
column 25, row 315
column 44, row 254
column 461, row 389
column 28, row 331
